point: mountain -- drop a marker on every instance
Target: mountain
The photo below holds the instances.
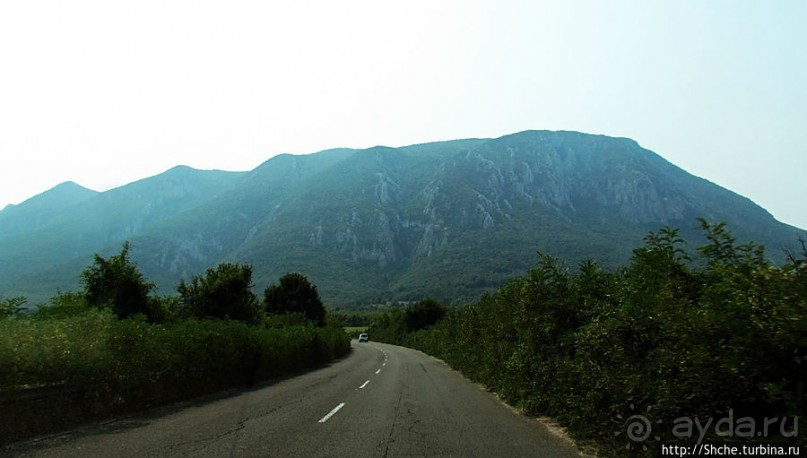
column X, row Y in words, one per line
column 46, row 240
column 40, row 210
column 448, row 219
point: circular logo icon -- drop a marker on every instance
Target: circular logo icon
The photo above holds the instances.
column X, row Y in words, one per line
column 637, row 427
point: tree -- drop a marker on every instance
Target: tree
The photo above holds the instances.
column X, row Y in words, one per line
column 295, row 294
column 12, row 306
column 64, row 304
column 423, row 314
column 116, row 283
column 223, row 292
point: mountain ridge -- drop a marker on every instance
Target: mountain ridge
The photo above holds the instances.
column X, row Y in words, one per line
column 447, row 219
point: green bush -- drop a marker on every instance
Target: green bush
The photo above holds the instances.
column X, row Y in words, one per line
column 115, row 348
column 12, row 306
column 295, row 294
column 117, row 284
column 105, row 365
column 723, row 334
column 223, row 292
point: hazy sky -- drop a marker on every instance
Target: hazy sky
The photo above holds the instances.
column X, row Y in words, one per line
column 105, row 92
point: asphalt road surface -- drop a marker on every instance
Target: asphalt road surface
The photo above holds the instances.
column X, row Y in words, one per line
column 380, row 401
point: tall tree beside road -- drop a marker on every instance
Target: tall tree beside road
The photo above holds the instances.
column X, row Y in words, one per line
column 295, row 294
column 116, row 283
column 223, row 292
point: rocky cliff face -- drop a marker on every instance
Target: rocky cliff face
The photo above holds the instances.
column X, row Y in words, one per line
column 445, row 219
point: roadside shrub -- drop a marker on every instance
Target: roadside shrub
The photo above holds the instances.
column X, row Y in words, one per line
column 716, row 336
column 117, row 284
column 295, row 294
column 223, row 292
column 100, row 365
column 12, row 306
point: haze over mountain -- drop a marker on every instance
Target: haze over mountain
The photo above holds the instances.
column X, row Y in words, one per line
column 448, row 219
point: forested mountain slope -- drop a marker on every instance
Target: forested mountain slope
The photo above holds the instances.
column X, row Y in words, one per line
column 447, row 219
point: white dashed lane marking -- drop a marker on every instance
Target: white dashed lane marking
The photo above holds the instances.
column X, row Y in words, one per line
column 331, row 413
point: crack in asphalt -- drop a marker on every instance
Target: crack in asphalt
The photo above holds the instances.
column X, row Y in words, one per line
column 389, row 440
column 198, row 445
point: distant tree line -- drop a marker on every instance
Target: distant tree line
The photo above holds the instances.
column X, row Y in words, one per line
column 223, row 292
column 668, row 337
column 396, row 325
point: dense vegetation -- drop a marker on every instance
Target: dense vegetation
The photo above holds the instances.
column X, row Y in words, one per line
column 295, row 294
column 115, row 348
column 223, row 292
column 668, row 337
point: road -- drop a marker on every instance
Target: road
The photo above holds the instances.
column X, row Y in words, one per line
column 380, row 401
